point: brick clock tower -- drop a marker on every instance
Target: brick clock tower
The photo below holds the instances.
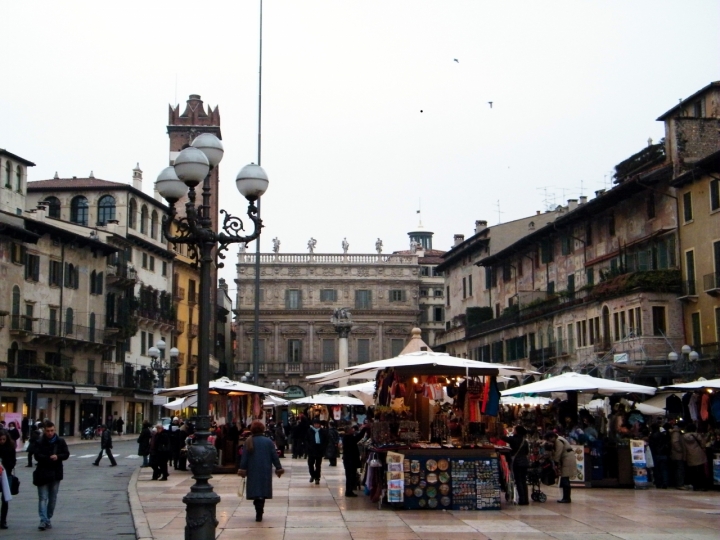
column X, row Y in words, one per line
column 182, row 129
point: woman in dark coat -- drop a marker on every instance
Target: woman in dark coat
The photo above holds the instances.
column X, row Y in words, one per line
column 258, row 458
column 8, row 459
column 333, row 447
column 160, row 452
column 520, row 449
column 144, row 443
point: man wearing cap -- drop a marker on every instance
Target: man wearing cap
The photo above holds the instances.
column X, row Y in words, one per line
column 316, row 442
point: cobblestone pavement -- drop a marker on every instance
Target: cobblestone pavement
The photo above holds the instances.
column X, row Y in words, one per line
column 301, row 511
column 92, row 502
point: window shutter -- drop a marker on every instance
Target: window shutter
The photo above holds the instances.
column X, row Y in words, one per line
column 36, row 269
column 99, row 286
column 76, row 278
column 66, row 275
column 404, row 295
column 287, row 298
column 92, row 282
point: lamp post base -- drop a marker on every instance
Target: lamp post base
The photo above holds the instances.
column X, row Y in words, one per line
column 201, row 502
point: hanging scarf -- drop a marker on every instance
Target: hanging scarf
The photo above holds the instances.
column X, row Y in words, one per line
column 317, row 434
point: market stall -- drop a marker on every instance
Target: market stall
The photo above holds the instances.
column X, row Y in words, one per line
column 602, row 461
column 434, row 431
column 326, row 406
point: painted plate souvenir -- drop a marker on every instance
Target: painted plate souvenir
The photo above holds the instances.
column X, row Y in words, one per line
column 444, row 489
column 414, row 479
column 432, row 478
column 431, row 465
column 444, row 477
column 432, row 503
column 423, row 484
column 443, row 464
column 414, row 466
column 445, row 501
column 431, row 492
column 409, row 492
column 422, row 503
column 419, row 492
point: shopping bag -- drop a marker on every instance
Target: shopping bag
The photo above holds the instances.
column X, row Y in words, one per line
column 241, row 488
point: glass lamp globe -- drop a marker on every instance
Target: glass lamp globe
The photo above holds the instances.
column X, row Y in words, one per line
column 174, row 352
column 694, row 356
column 191, row 166
column 169, row 186
column 252, row 181
column 154, row 352
column 673, row 356
column 211, row 146
column 686, row 349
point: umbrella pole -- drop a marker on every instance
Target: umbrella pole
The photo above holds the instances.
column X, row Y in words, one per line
column 572, row 397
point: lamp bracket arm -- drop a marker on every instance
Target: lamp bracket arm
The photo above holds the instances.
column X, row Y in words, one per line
column 231, row 228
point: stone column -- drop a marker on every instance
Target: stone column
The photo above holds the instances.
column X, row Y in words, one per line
column 342, row 323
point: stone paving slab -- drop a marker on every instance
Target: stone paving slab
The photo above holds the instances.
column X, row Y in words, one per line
column 304, row 511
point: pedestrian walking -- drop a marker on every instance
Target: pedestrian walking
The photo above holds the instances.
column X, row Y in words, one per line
column 14, row 432
column 119, row 423
column 51, row 451
column 351, row 459
column 520, row 462
column 175, row 442
column 144, row 443
column 564, row 457
column 659, row 442
column 106, row 446
column 160, row 452
column 300, row 432
column 333, row 447
column 316, row 442
column 677, row 457
column 258, row 458
column 695, row 457
column 35, row 434
column 25, row 427
column 280, row 439
column 8, row 458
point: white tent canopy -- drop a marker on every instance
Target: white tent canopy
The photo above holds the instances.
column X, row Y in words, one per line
column 363, row 391
column 327, row 399
column 577, row 382
column 182, row 403
column 695, row 385
column 274, row 401
column 525, row 400
column 223, row 385
column 647, row 410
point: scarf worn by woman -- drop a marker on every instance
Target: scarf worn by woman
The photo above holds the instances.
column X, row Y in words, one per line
column 317, row 434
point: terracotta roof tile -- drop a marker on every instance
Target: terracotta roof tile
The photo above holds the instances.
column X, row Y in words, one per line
column 79, row 183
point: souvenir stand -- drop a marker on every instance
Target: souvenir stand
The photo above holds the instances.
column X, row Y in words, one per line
column 327, row 406
column 231, row 402
column 433, row 432
column 601, row 463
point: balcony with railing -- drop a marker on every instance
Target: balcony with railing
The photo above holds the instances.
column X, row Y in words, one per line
column 328, row 258
column 179, row 326
column 121, row 275
column 688, row 290
column 711, row 284
column 193, row 330
column 178, row 293
column 192, row 297
column 50, row 330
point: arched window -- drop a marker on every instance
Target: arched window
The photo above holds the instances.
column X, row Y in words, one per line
column 91, row 324
column 69, row 321
column 144, row 219
column 79, row 210
column 8, row 175
column 53, row 207
column 154, row 225
column 18, row 179
column 15, row 323
column 106, row 209
column 132, row 214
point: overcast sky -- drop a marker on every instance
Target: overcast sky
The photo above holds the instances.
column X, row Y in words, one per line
column 366, row 113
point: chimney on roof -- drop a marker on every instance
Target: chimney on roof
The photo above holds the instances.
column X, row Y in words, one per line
column 56, row 177
column 583, row 199
column 458, row 239
column 137, row 177
column 480, row 225
column 92, row 175
column 538, row 212
column 572, row 204
column 599, row 192
column 649, row 141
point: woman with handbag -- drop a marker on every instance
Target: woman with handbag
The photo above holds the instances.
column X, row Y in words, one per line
column 258, row 458
column 8, row 460
column 564, row 456
column 520, row 462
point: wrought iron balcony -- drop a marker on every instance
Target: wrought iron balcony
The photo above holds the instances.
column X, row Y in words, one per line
column 711, row 283
column 178, row 293
column 179, row 326
column 121, row 275
column 194, row 330
column 47, row 330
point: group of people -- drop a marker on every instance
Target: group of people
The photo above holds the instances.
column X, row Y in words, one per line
column 159, row 447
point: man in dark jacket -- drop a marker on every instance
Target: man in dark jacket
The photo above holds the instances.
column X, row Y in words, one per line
column 316, row 442
column 659, row 443
column 106, row 446
column 35, row 434
column 519, row 449
column 160, row 452
column 50, row 452
column 351, row 459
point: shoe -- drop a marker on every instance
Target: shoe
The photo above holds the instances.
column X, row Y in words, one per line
column 154, row 478
column 317, row 481
column 48, row 525
column 564, row 501
column 312, row 479
column 163, row 479
column 42, row 526
column 350, row 494
column 3, row 525
column 113, row 464
column 96, row 464
column 258, row 516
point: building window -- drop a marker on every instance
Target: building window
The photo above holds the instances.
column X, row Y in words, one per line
column 714, row 195
column 69, row 323
column 144, row 260
column 611, row 225
column 144, row 220
column 659, row 321
column 438, row 314
column 154, row 225
column 164, row 268
column 507, row 272
column 590, row 276
column 294, row 350
column 8, row 175
column 91, row 325
column 328, row 351
column 152, row 263
column 696, row 334
column 551, row 287
column 328, row 295
column 132, row 214
column 447, row 296
column 32, row 267
column 363, row 351
column 470, row 293
column 18, row 179
column 546, row 250
column 79, row 210
column 53, row 330
column 424, row 270
column 53, row 204
column 650, row 203
column 293, row 299
column 106, row 209
column 363, row 299
column 690, row 272
column 397, row 295
column 438, row 293
column 687, row 207
column 565, row 245
column 72, row 276
column 143, row 347
column 396, row 347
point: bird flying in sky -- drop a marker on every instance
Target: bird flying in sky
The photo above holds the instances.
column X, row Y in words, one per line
column 458, row 61
column 490, row 102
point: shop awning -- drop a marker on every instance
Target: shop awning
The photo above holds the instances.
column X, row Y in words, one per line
column 701, row 384
column 86, row 390
column 577, row 382
column 327, row 399
column 223, row 385
column 182, row 403
column 11, row 384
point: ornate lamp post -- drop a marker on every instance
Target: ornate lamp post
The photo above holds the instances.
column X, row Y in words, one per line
column 160, row 365
column 684, row 365
column 193, row 166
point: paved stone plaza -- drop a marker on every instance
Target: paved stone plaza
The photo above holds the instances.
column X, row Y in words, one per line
column 301, row 511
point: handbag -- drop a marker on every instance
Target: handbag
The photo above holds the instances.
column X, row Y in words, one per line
column 42, row 477
column 14, row 485
column 241, row 488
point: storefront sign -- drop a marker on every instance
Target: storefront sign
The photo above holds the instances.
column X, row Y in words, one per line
column 159, row 400
column 637, row 456
column 144, row 397
column 103, row 393
column 294, row 392
column 579, row 477
column 86, row 390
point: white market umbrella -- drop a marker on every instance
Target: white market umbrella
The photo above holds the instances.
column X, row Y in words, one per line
column 701, row 384
column 659, row 399
column 643, row 408
column 275, row 401
column 223, row 385
column 525, row 400
column 327, row 399
column 363, row 391
column 182, row 403
column 578, row 382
